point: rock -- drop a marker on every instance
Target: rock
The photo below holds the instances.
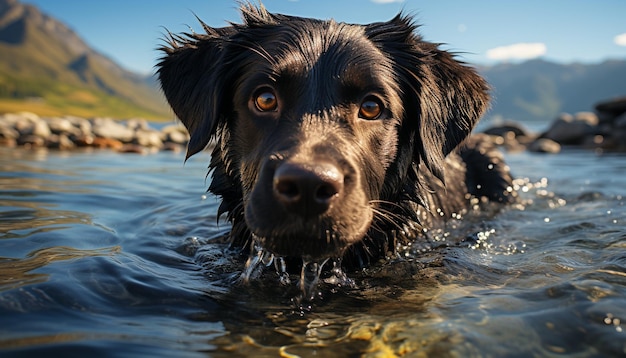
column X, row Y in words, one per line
column 41, row 129
column 175, row 133
column 8, row 132
column 60, row 141
column 82, row 125
column 27, row 116
column 544, row 145
column 24, row 127
column 32, row 141
column 137, row 124
column 568, row 129
column 67, row 132
column 587, row 117
column 59, row 125
column 111, row 143
column 177, row 137
column 7, row 120
column 84, row 140
column 148, row 138
column 620, row 121
column 108, row 128
column 503, row 130
column 613, row 107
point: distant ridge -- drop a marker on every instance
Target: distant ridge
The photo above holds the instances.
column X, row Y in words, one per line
column 539, row 90
column 46, row 68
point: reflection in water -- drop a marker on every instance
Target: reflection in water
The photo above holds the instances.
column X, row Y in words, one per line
column 310, row 273
column 24, row 219
column 15, row 273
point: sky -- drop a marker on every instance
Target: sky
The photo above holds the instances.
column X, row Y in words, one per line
column 485, row 32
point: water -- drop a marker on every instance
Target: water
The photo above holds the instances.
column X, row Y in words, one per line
column 112, row 254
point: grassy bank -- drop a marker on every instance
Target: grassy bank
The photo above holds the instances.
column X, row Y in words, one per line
column 56, row 107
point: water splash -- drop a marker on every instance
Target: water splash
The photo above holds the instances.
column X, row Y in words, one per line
column 313, row 273
column 309, row 279
column 337, row 277
column 259, row 259
column 281, row 270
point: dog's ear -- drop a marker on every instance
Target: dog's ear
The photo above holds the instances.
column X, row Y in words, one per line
column 445, row 97
column 192, row 80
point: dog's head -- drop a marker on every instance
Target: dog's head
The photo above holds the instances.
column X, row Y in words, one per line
column 317, row 122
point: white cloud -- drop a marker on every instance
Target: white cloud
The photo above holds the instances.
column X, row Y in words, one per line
column 386, row 1
column 519, row 51
column 620, row 39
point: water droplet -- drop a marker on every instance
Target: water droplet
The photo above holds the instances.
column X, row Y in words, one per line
column 337, row 276
column 309, row 278
column 281, row 270
column 257, row 260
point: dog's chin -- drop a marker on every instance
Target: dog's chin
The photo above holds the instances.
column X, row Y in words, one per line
column 311, row 241
column 305, row 246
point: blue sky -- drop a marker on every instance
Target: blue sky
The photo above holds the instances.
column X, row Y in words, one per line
column 485, row 31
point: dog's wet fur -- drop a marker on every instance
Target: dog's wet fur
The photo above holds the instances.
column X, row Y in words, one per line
column 332, row 139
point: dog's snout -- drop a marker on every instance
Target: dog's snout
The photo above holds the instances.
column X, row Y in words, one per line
column 307, row 189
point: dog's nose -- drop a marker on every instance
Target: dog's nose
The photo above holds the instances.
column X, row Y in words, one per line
column 307, row 189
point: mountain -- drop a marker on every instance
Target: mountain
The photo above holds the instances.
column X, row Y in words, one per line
column 539, row 90
column 46, row 68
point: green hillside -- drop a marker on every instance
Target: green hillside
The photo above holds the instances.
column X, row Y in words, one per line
column 47, row 69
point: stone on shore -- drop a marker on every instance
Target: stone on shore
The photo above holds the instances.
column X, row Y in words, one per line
column 612, row 108
column 68, row 132
column 569, row 129
column 109, row 128
column 544, row 145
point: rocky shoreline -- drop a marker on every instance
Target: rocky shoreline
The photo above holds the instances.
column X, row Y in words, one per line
column 65, row 133
column 604, row 129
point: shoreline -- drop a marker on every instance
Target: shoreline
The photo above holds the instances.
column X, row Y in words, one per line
column 134, row 135
column 603, row 129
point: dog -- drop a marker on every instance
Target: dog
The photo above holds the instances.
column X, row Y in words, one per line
column 332, row 140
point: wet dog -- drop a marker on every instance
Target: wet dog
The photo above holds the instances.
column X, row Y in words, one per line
column 331, row 139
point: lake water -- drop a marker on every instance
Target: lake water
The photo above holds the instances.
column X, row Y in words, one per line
column 107, row 254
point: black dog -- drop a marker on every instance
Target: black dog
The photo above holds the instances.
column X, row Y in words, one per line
column 331, row 139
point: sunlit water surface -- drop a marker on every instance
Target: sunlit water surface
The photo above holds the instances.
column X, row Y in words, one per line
column 106, row 254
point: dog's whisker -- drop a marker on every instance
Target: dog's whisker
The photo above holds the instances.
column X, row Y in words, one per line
column 389, row 217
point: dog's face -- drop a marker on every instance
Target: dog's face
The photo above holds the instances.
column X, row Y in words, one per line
column 317, row 122
column 316, row 130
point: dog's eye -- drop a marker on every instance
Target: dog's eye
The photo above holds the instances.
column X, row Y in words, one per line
column 371, row 108
column 265, row 101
